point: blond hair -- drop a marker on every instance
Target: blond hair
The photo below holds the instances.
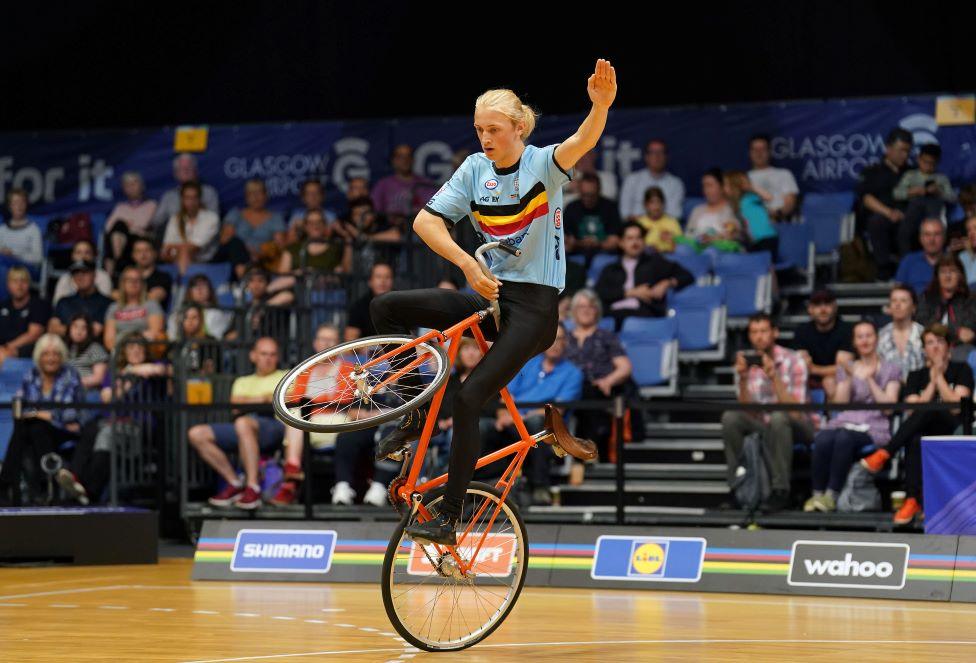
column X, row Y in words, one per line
column 46, row 341
column 508, row 104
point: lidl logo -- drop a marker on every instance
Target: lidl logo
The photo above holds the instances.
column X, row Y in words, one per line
column 283, row 551
column 494, row 559
column 661, row 559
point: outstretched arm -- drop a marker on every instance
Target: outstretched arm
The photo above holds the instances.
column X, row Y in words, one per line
column 602, row 88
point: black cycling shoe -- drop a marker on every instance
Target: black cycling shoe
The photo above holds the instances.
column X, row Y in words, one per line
column 440, row 529
column 408, row 430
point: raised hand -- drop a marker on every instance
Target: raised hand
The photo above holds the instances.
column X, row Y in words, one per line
column 602, row 84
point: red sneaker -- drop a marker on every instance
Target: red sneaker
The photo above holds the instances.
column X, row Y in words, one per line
column 229, row 495
column 293, row 473
column 908, row 511
column 250, row 499
column 286, row 494
column 875, row 462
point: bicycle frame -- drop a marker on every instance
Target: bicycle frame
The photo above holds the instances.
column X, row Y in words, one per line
column 519, row 449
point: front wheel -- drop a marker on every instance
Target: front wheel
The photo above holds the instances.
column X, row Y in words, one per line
column 335, row 391
column 430, row 601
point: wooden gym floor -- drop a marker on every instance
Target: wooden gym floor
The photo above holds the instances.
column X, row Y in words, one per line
column 155, row 613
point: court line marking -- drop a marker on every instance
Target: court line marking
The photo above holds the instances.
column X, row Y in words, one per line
column 703, row 641
column 57, row 592
column 65, row 581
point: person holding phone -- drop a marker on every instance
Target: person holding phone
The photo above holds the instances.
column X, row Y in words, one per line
column 769, row 373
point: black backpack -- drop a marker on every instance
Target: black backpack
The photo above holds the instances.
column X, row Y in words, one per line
column 751, row 487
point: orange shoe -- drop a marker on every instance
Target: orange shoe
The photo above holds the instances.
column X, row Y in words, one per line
column 908, row 511
column 875, row 462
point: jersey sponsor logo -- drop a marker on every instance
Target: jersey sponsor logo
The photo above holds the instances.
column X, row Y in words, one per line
column 848, row 564
column 557, row 245
column 557, row 217
column 648, row 559
column 491, row 184
column 283, row 551
column 494, row 560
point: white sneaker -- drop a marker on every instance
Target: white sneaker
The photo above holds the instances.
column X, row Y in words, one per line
column 342, row 493
column 376, row 495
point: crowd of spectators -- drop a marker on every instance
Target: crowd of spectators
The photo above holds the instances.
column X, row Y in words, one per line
column 127, row 294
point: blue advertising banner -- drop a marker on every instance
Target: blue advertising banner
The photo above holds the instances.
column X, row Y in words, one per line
column 283, row 551
column 824, row 143
column 949, row 482
column 661, row 559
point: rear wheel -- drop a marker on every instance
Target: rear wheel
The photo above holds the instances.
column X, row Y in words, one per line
column 436, row 606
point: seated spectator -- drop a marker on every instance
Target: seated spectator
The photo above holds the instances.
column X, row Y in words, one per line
column 184, row 171
column 86, row 354
column 20, row 238
column 191, row 329
column 819, row 341
column 313, row 200
column 587, row 166
column 86, row 300
column 191, row 234
column 942, row 381
column 129, row 219
column 255, row 224
column 868, row 379
column 947, row 300
column 547, row 377
column 776, row 375
column 925, row 193
column 638, row 284
column 200, row 291
column 606, row 368
column 356, row 188
column 136, row 380
column 878, row 212
column 915, row 269
column 319, row 250
column 249, row 434
column 759, row 231
column 900, row 341
column 360, row 322
column 133, row 311
column 967, row 256
column 39, row 432
column 364, row 223
column 592, row 222
column 713, row 223
column 82, row 251
column 661, row 229
column 326, row 336
column 401, row 195
column 159, row 284
column 267, row 313
column 22, row 316
column 775, row 186
column 656, row 174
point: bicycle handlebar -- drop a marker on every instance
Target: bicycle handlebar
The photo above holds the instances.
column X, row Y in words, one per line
column 507, row 248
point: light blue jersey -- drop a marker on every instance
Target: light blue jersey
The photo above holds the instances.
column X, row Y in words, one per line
column 520, row 205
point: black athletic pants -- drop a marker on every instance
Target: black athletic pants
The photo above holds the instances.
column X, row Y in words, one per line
column 529, row 318
column 910, row 435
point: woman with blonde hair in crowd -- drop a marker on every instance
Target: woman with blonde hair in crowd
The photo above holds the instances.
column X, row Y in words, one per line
column 133, row 311
column 759, row 229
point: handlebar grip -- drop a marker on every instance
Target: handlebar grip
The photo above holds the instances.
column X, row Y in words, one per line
column 508, row 248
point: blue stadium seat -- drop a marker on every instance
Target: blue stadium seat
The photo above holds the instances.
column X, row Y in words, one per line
column 600, row 260
column 747, row 281
column 171, row 269
column 6, row 430
column 700, row 313
column 577, row 258
column 971, row 359
column 690, row 203
column 16, row 366
column 652, row 346
column 699, row 265
column 831, row 220
column 608, row 323
column 219, row 273
column 796, row 250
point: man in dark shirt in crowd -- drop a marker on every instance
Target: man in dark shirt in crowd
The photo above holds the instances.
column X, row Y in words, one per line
column 819, row 341
column 592, row 222
column 878, row 212
column 360, row 323
column 22, row 316
column 638, row 284
column 87, row 300
column 159, row 284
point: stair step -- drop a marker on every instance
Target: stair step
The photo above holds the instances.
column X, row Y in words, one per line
column 682, row 429
column 690, row 444
column 638, row 471
column 635, row 486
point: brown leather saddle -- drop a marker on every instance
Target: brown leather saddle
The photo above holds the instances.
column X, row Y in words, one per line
column 562, row 440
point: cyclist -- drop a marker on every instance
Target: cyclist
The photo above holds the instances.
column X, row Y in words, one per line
column 512, row 192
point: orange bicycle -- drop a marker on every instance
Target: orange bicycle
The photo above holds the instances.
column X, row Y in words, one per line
column 439, row 598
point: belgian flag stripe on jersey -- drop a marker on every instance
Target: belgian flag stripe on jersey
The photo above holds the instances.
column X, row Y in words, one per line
column 532, row 206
